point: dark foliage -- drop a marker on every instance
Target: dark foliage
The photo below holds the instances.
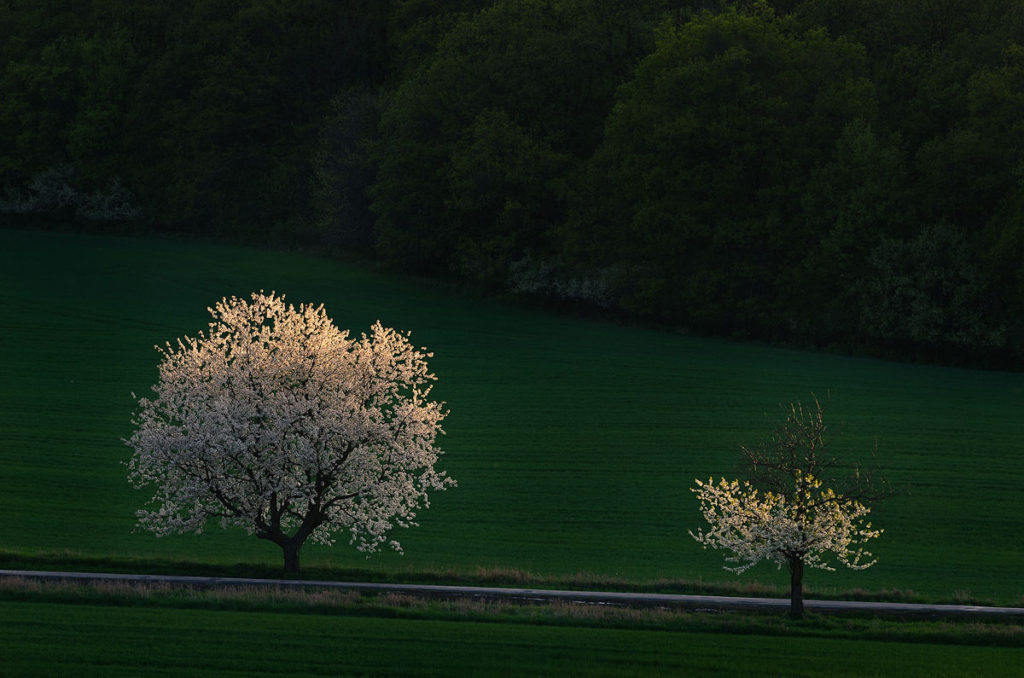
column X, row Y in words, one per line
column 840, row 173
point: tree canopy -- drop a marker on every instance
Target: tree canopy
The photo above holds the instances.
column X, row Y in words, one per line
column 278, row 422
column 797, row 510
column 697, row 190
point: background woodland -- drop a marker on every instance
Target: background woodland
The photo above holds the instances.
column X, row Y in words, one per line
column 843, row 174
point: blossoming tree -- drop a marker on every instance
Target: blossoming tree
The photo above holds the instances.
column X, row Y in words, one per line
column 278, row 422
column 794, row 519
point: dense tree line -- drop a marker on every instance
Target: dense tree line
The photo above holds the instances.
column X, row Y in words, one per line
column 206, row 112
column 844, row 173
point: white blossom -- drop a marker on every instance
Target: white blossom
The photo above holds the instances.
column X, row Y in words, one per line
column 278, row 422
column 754, row 526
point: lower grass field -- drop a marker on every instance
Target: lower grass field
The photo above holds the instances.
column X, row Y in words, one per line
column 574, row 442
column 84, row 640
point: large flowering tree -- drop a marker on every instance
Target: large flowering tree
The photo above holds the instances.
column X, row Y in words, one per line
column 794, row 519
column 278, row 422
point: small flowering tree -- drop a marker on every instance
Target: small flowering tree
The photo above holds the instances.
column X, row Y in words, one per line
column 278, row 422
column 794, row 519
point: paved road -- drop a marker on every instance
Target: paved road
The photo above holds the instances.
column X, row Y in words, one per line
column 542, row 595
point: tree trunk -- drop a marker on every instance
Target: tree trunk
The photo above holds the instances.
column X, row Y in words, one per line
column 291, row 555
column 796, row 588
column 290, row 545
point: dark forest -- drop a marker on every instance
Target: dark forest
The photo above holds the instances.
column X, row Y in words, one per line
column 839, row 174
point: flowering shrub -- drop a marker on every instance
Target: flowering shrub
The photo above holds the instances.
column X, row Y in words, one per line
column 53, row 191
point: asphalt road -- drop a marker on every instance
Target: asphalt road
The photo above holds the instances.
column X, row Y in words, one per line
column 542, row 595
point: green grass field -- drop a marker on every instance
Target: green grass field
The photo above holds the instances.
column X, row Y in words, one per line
column 574, row 442
column 83, row 640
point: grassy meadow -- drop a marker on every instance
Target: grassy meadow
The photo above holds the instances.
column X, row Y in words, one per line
column 85, row 640
column 574, row 442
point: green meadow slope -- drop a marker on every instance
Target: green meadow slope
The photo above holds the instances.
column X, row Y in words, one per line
column 574, row 442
